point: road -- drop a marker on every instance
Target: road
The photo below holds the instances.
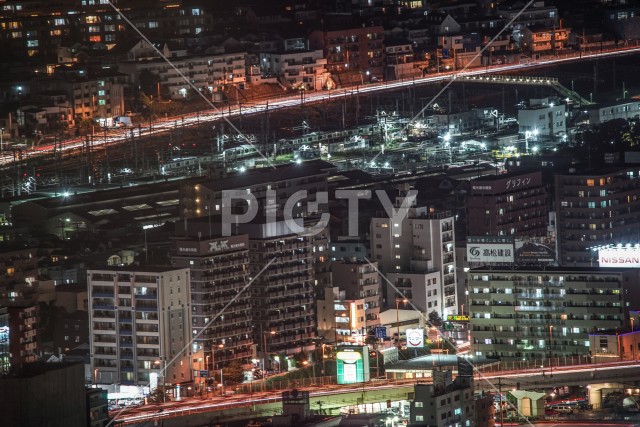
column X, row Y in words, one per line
column 164, row 125
column 189, row 406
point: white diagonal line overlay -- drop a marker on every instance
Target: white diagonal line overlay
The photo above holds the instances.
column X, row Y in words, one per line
column 213, row 319
column 441, row 332
column 193, row 86
column 455, row 74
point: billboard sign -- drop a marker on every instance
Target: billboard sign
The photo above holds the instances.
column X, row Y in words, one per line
column 352, row 364
column 534, row 251
column 490, row 249
column 457, row 318
column 415, row 338
column 620, row 257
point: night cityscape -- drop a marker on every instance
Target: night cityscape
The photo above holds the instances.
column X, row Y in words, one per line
column 319, row 213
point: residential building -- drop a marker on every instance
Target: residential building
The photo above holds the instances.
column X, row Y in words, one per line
column 296, row 69
column 5, row 353
column 507, row 205
column 594, row 208
column 341, row 319
column 444, row 402
column 70, row 330
column 538, row 13
column 528, row 313
column 626, row 109
column 609, row 346
column 140, row 326
column 623, row 21
column 283, row 291
column 23, row 324
column 97, row 407
column 90, row 96
column 422, row 288
column 537, row 39
column 355, row 53
column 423, row 242
column 220, row 304
column 360, row 280
column 542, row 118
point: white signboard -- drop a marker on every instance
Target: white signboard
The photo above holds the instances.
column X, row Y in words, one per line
column 490, row 252
column 415, row 338
column 619, row 257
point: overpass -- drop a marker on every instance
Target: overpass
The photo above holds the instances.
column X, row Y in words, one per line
column 551, row 82
column 330, row 399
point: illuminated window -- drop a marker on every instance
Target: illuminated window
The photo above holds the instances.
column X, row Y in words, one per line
column 94, row 39
column 591, row 183
column 32, row 43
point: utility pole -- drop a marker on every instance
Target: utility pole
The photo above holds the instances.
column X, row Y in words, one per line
column 501, row 409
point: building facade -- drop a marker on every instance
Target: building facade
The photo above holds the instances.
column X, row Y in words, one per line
column 140, row 326
column 360, row 280
column 596, row 208
column 507, row 205
column 219, row 303
column 542, row 118
column 537, row 313
column 423, row 242
column 23, row 336
column 355, row 51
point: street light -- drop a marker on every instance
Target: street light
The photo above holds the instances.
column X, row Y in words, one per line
column 213, row 362
column 1, row 143
column 404, row 301
column 550, row 348
column 264, row 358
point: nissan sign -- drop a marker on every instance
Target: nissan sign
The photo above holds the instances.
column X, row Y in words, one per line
column 624, row 257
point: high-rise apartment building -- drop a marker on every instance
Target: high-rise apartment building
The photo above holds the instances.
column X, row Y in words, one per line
column 594, row 208
column 532, row 313
column 140, row 324
column 507, row 205
column 283, row 293
column 219, row 273
column 422, row 243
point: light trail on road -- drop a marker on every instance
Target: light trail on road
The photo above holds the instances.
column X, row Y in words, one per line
column 175, row 409
column 192, row 119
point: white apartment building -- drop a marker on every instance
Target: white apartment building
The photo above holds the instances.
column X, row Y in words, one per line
column 139, row 320
column 534, row 313
column 422, row 288
column 303, row 70
column 421, row 244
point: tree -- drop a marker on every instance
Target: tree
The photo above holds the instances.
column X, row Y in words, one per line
column 435, row 319
column 156, row 396
column 233, row 373
column 149, row 82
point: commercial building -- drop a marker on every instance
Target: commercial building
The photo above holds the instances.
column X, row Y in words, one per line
column 507, row 205
column 534, row 313
column 140, row 326
column 543, row 118
column 219, row 303
column 594, row 208
column 422, row 243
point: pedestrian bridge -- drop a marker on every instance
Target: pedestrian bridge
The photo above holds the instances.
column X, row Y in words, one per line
column 527, row 80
